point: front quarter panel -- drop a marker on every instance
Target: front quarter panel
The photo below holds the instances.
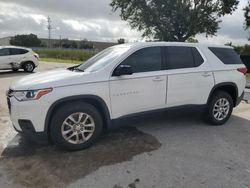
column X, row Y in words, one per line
column 37, row 110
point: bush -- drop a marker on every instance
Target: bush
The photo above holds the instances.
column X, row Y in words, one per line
column 30, row 40
column 66, row 54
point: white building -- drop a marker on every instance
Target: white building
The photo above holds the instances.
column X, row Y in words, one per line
column 5, row 41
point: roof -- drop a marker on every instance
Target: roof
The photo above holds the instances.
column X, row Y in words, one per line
column 15, row 47
column 146, row 44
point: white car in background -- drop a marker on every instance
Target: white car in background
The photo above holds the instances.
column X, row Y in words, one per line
column 15, row 58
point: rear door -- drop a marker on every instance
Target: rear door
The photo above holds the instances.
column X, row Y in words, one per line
column 189, row 77
column 17, row 54
column 5, row 58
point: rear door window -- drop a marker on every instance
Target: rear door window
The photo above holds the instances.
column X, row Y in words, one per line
column 17, row 51
column 4, row 52
column 180, row 57
column 227, row 55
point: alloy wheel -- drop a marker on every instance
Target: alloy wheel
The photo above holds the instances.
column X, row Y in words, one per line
column 221, row 109
column 78, row 128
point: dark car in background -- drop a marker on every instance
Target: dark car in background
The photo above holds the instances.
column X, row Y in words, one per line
column 246, row 61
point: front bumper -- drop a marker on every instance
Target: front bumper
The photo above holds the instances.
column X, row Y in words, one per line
column 28, row 132
column 28, row 118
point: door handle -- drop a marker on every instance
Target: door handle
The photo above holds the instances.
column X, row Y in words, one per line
column 158, row 79
column 206, row 74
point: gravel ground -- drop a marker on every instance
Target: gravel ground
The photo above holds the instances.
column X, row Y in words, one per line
column 171, row 149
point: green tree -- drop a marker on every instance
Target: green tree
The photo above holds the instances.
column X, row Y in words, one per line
column 174, row 20
column 65, row 43
column 243, row 50
column 192, row 40
column 247, row 16
column 30, row 40
column 229, row 44
column 73, row 44
column 121, row 41
column 85, row 44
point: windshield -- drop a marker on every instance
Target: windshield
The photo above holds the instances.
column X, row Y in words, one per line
column 102, row 59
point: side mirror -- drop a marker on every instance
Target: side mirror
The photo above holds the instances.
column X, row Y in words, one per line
column 123, row 70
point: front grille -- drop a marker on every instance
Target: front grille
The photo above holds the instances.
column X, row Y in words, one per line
column 9, row 93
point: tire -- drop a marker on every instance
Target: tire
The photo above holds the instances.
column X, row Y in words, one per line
column 219, row 108
column 15, row 70
column 62, row 121
column 28, row 67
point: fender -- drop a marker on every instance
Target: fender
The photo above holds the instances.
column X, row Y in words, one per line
column 221, row 85
column 100, row 101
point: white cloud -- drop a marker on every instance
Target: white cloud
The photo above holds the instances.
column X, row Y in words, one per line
column 76, row 25
column 84, row 26
column 38, row 18
column 93, row 20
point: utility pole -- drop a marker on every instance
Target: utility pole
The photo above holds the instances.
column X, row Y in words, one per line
column 60, row 43
column 49, row 27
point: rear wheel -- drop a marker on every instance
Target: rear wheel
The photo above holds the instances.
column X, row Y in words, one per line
column 76, row 126
column 219, row 108
column 28, row 67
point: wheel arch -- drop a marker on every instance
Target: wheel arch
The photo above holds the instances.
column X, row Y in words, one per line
column 91, row 99
column 28, row 61
column 229, row 87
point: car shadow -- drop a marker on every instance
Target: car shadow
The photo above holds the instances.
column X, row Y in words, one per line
column 32, row 165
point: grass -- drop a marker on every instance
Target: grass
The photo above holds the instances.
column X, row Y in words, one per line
column 248, row 75
column 64, row 55
column 60, row 60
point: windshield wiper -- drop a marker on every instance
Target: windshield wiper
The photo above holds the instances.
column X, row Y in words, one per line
column 75, row 68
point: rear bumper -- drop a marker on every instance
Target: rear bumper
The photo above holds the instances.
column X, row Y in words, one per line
column 239, row 99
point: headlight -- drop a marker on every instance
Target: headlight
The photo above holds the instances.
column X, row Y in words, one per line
column 30, row 94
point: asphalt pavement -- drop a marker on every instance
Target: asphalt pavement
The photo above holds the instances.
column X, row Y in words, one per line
column 174, row 149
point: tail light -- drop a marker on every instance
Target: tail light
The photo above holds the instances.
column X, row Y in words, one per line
column 36, row 56
column 243, row 70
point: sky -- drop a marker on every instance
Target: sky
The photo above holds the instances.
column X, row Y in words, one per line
column 94, row 20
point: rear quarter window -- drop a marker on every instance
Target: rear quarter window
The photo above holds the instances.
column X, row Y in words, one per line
column 197, row 57
column 227, row 55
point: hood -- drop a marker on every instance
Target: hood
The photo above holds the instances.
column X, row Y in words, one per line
column 54, row 78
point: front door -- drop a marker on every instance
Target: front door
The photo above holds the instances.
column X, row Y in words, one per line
column 145, row 89
column 5, row 58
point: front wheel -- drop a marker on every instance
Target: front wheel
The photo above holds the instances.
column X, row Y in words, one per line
column 76, row 126
column 219, row 108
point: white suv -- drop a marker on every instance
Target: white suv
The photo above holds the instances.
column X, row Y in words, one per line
column 73, row 106
column 15, row 58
